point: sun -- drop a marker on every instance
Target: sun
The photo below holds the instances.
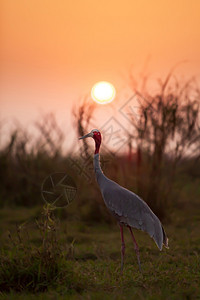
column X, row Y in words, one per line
column 103, row 92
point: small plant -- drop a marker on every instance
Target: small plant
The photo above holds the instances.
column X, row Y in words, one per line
column 25, row 266
column 48, row 226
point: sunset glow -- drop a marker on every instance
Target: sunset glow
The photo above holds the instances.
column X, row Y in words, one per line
column 103, row 92
column 53, row 52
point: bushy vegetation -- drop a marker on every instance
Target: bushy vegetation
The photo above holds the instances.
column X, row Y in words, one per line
column 75, row 251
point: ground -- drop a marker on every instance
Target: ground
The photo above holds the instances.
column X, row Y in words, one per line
column 90, row 266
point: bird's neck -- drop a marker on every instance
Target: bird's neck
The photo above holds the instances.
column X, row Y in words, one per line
column 97, row 146
column 97, row 168
column 100, row 177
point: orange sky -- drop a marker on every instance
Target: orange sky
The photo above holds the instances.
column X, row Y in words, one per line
column 52, row 52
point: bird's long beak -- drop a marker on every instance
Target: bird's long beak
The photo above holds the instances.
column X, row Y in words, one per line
column 85, row 136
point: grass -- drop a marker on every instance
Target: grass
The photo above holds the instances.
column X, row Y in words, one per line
column 82, row 260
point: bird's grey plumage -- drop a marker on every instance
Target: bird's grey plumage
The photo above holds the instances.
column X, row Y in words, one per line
column 128, row 208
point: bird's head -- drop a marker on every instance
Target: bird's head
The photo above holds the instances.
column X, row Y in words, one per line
column 96, row 135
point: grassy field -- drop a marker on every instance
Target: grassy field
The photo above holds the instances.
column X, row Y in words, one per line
column 72, row 259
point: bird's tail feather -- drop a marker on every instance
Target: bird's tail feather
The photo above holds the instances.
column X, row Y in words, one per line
column 165, row 239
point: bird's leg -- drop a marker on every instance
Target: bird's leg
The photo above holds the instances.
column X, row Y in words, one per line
column 122, row 248
column 136, row 248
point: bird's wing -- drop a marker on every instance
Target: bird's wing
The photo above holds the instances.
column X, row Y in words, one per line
column 131, row 210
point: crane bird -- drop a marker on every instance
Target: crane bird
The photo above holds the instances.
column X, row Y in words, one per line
column 128, row 208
